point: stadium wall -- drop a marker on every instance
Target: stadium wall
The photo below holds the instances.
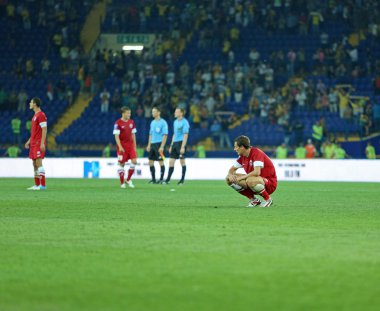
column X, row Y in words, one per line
column 212, row 169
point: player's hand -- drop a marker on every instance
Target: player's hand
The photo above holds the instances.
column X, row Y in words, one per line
column 121, row 150
column 235, row 179
column 148, row 148
column 42, row 147
column 239, row 178
column 170, row 149
column 232, row 178
column 182, row 151
column 27, row 145
column 161, row 149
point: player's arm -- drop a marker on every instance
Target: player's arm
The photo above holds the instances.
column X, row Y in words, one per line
column 44, row 133
column 164, row 138
column 171, row 144
column 27, row 144
column 116, row 133
column 184, row 142
column 255, row 173
column 134, row 140
column 149, row 142
column 118, row 143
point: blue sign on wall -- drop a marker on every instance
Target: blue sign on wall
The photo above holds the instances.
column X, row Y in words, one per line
column 91, row 169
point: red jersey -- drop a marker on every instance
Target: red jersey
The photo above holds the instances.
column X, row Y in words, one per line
column 38, row 122
column 257, row 157
column 125, row 130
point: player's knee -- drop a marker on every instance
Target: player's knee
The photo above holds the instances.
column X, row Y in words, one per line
column 258, row 187
column 252, row 182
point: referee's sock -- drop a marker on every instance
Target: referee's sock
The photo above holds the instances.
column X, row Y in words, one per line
column 162, row 172
column 183, row 172
column 153, row 172
column 171, row 170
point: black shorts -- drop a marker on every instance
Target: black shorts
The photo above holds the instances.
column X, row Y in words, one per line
column 154, row 153
column 176, row 151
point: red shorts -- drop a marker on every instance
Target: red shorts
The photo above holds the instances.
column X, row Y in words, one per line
column 36, row 153
column 128, row 154
column 270, row 185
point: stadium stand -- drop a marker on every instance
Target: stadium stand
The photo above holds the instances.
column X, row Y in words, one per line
column 272, row 65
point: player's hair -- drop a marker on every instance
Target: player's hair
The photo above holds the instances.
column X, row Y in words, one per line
column 181, row 109
column 125, row 108
column 37, row 101
column 243, row 141
column 157, row 108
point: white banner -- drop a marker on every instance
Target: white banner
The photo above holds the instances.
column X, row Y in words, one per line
column 211, row 169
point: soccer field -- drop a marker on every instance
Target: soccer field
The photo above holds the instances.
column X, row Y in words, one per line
column 89, row 245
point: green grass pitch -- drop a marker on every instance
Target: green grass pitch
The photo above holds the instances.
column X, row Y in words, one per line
column 89, row 245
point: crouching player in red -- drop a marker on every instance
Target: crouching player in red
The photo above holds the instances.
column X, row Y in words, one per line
column 125, row 137
column 260, row 177
column 37, row 143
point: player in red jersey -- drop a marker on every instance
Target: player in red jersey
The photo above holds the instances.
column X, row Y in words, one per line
column 260, row 177
column 125, row 137
column 37, row 143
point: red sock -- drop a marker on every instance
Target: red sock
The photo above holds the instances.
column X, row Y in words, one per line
column 265, row 195
column 121, row 175
column 37, row 180
column 130, row 173
column 248, row 193
column 42, row 179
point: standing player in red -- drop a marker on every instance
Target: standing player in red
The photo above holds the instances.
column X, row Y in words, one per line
column 125, row 137
column 260, row 177
column 37, row 143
